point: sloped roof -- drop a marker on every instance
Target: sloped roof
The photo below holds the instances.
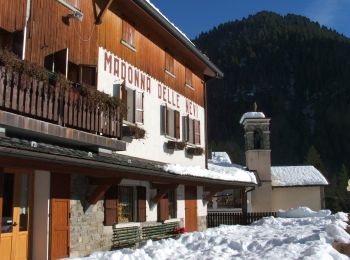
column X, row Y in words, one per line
column 46, row 152
column 286, row 176
column 221, row 165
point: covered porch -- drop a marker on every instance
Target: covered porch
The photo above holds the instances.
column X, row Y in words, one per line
column 78, row 195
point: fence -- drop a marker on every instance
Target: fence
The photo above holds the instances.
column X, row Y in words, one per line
column 56, row 104
column 215, row 219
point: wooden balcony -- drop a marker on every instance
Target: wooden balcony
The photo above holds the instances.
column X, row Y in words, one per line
column 61, row 105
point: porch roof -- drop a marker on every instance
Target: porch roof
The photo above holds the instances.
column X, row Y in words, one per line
column 71, row 160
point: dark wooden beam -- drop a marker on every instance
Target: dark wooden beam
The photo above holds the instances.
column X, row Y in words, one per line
column 162, row 190
column 244, row 205
column 98, row 193
column 103, row 11
column 105, row 181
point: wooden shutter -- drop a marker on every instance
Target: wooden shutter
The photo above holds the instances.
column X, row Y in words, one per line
column 124, row 95
column 177, row 124
column 165, row 119
column 111, row 206
column 197, row 132
column 139, row 96
column 141, row 204
column 186, row 128
column 163, row 208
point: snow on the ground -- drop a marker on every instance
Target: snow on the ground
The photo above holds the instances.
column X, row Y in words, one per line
column 251, row 115
column 214, row 172
column 309, row 237
column 296, row 176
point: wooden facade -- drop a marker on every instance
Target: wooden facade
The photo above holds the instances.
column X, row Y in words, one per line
column 54, row 31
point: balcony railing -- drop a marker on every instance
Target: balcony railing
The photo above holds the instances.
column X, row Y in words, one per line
column 59, row 104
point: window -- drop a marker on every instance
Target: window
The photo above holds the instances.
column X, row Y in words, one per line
column 258, row 139
column 192, row 130
column 134, row 101
column 125, row 204
column 188, row 78
column 128, row 37
column 167, row 206
column 171, row 122
column 169, row 64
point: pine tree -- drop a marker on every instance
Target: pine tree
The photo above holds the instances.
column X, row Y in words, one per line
column 313, row 158
column 342, row 183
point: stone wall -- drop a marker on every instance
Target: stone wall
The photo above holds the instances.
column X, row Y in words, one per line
column 202, row 223
column 87, row 231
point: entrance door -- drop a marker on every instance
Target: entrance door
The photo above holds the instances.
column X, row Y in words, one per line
column 60, row 204
column 191, row 208
column 14, row 215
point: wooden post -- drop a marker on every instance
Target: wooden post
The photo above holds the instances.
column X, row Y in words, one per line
column 244, row 205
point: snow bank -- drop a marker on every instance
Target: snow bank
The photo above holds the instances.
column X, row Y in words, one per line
column 296, row 176
column 251, row 115
column 303, row 212
column 217, row 173
column 269, row 238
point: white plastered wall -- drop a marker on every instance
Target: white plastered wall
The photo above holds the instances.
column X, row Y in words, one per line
column 201, row 204
column 291, row 197
column 41, row 209
column 261, row 198
column 153, row 147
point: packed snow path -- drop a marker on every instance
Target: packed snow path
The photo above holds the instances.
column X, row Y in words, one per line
column 310, row 236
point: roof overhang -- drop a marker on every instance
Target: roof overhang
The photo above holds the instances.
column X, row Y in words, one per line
column 145, row 5
column 9, row 157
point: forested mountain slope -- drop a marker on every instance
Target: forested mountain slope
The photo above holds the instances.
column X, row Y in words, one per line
column 299, row 75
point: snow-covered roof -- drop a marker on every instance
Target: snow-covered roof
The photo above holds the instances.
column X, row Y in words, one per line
column 284, row 176
column 219, row 168
column 251, row 115
column 166, row 18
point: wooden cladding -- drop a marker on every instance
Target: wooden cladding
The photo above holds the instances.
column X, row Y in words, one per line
column 56, row 104
column 12, row 15
column 128, row 33
column 149, row 57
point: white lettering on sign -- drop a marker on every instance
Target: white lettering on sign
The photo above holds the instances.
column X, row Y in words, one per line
column 114, row 69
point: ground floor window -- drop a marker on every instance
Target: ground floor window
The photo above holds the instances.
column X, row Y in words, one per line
column 125, row 204
column 226, row 199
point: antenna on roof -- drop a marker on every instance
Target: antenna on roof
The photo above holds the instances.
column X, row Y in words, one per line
column 255, row 106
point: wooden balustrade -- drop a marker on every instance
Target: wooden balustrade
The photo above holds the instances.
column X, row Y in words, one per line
column 215, row 219
column 27, row 96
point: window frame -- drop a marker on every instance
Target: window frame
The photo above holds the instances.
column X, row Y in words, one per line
column 170, row 65
column 122, row 91
column 189, row 78
column 190, row 136
column 128, row 35
column 176, row 123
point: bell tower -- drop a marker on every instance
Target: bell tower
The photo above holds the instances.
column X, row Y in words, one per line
column 258, row 157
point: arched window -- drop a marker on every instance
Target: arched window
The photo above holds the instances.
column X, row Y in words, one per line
column 258, row 140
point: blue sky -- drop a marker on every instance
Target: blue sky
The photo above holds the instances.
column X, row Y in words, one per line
column 195, row 16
